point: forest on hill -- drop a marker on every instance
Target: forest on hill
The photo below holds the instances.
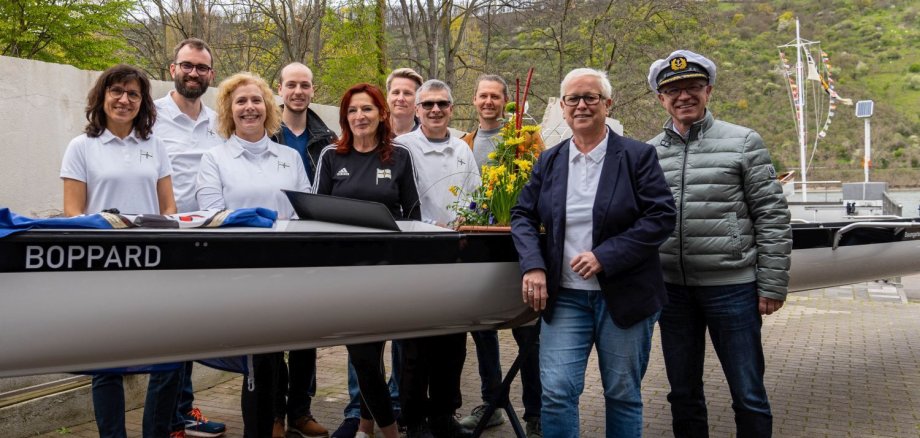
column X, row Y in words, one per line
column 872, row 46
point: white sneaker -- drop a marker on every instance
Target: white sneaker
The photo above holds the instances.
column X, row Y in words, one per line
column 472, row 420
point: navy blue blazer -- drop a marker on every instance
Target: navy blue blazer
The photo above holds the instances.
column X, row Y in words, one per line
column 633, row 215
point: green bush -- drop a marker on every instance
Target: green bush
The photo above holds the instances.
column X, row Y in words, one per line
column 914, row 68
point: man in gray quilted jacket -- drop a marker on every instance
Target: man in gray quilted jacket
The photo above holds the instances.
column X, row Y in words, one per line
column 727, row 262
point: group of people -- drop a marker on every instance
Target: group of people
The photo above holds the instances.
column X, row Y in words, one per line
column 689, row 230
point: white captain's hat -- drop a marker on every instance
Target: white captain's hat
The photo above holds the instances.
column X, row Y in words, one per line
column 680, row 64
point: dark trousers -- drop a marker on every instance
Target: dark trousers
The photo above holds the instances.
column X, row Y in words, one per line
column 490, row 367
column 296, row 385
column 109, row 407
column 732, row 317
column 430, row 384
column 168, row 382
column 258, row 396
column 375, row 393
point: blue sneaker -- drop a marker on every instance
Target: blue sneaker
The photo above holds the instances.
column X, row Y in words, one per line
column 198, row 425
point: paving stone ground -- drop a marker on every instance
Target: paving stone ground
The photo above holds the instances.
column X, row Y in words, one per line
column 841, row 362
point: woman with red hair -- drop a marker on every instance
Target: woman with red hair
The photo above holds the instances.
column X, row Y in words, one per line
column 366, row 164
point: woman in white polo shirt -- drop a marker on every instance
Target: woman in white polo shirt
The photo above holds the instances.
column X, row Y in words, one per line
column 117, row 164
column 249, row 170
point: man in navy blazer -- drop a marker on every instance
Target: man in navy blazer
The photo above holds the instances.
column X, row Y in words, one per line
column 606, row 208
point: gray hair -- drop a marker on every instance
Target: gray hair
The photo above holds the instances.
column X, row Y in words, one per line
column 606, row 88
column 435, row 85
column 492, row 78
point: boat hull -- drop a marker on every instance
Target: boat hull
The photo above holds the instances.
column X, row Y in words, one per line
column 81, row 300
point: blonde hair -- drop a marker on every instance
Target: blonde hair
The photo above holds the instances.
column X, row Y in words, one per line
column 405, row 73
column 225, row 124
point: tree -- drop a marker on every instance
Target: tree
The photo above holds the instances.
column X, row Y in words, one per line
column 81, row 33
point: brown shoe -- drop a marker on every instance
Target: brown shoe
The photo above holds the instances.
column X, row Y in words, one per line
column 307, row 427
column 278, row 428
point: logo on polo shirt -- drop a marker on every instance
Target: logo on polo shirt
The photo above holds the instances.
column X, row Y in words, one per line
column 460, row 162
column 383, row 173
column 144, row 155
column 342, row 172
column 283, row 165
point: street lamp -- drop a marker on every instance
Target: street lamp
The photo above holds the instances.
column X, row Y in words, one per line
column 864, row 111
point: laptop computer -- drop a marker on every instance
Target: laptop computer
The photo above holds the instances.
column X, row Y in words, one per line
column 325, row 208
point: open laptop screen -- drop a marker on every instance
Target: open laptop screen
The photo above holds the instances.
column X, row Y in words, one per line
column 311, row 206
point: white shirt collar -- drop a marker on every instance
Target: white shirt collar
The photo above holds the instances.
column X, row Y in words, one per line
column 596, row 155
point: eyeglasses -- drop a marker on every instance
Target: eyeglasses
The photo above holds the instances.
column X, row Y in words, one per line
column 117, row 92
column 428, row 105
column 691, row 90
column 187, row 67
column 572, row 99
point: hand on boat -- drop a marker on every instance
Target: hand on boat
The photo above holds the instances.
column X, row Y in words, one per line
column 533, row 288
column 769, row 305
column 585, row 265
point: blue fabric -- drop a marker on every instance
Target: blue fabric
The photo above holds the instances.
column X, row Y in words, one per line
column 137, row 369
column 582, row 322
column 251, row 217
column 732, row 317
column 299, row 144
column 633, row 215
column 13, row 223
column 233, row 364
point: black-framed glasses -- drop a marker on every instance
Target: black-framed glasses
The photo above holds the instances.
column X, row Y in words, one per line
column 572, row 99
column 428, row 105
column 692, row 90
column 117, row 92
column 187, row 67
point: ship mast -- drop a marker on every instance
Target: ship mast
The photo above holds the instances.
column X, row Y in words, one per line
column 800, row 103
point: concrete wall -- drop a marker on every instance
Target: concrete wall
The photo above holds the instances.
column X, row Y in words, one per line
column 41, row 109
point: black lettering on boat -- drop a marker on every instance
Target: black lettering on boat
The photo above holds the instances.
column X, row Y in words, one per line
column 78, row 257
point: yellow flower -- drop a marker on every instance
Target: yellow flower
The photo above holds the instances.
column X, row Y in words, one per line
column 454, row 190
column 488, row 195
column 492, row 155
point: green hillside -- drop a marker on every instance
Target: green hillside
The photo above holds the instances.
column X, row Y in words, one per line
column 874, row 50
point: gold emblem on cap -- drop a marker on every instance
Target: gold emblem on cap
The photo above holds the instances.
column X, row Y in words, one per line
column 678, row 64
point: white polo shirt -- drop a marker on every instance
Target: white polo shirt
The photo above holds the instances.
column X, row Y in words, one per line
column 241, row 174
column 186, row 140
column 438, row 166
column 119, row 173
column 584, row 177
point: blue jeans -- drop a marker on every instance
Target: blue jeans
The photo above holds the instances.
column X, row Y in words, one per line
column 353, row 409
column 581, row 321
column 169, row 382
column 109, row 406
column 731, row 314
column 490, row 372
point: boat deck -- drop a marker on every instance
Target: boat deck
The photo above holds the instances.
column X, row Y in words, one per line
column 841, row 361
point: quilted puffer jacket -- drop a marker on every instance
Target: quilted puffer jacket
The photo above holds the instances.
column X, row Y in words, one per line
column 732, row 217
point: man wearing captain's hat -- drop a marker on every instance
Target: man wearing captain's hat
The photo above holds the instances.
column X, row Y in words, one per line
column 727, row 262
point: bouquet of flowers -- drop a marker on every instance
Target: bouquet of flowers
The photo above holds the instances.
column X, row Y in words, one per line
column 506, row 172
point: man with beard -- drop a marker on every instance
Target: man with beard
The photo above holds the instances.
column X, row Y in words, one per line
column 301, row 128
column 303, row 131
column 489, row 98
column 187, row 128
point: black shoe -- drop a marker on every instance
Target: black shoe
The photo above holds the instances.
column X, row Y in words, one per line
column 348, row 428
column 446, row 426
column 420, row 430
